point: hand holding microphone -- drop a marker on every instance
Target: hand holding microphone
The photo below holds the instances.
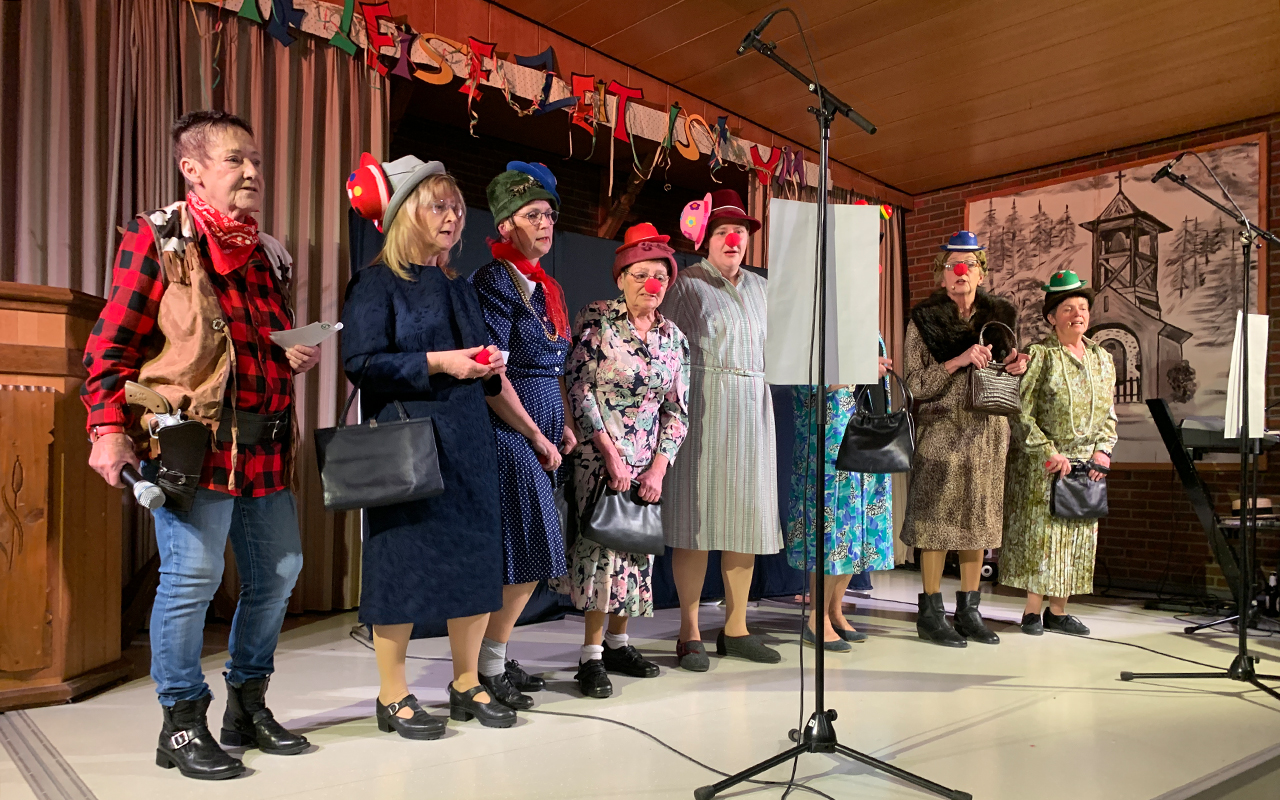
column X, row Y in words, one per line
column 148, row 495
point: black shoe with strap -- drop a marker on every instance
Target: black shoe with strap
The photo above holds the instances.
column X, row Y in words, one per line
column 969, row 622
column 500, row 688
column 464, row 706
column 1064, row 624
column 628, row 661
column 421, row 726
column 186, row 743
column 521, row 679
column 248, row 722
column 593, row 680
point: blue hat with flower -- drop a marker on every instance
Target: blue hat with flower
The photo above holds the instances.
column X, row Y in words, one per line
column 962, row 241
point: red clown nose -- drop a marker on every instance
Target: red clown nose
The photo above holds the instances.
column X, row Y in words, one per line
column 482, row 357
column 653, row 286
column 733, row 239
column 960, row 270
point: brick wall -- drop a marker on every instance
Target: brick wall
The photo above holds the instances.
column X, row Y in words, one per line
column 1152, row 536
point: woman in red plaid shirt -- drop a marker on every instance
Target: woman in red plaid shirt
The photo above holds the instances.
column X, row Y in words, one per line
column 195, row 294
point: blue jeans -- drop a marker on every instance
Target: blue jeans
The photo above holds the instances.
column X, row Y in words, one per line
column 268, row 550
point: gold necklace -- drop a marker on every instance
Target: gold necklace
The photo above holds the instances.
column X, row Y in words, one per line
column 518, row 280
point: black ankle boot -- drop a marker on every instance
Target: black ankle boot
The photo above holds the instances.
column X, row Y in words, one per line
column 249, row 723
column 185, row 743
column 931, row 622
column 969, row 622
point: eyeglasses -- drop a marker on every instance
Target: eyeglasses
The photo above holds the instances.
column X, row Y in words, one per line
column 641, row 277
column 535, row 217
column 438, row 207
column 968, row 265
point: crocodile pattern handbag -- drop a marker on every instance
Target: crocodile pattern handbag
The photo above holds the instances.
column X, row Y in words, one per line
column 992, row 390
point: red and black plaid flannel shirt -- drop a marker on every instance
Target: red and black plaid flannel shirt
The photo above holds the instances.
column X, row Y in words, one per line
column 126, row 334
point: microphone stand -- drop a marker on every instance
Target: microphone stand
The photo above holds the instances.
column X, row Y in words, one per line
column 819, row 735
column 1241, row 668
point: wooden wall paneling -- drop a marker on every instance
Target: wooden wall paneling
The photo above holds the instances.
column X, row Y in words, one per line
column 514, row 35
column 459, row 19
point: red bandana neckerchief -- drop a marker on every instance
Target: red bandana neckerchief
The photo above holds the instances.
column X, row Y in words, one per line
column 557, row 311
column 231, row 243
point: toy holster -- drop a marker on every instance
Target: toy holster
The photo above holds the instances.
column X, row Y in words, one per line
column 182, row 450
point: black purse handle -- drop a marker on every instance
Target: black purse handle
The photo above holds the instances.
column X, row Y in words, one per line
column 906, row 394
column 346, row 407
column 1012, row 334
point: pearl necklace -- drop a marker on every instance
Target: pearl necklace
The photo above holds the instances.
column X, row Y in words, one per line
column 1071, row 399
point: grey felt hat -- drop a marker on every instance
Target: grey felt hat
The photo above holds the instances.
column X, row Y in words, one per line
column 404, row 174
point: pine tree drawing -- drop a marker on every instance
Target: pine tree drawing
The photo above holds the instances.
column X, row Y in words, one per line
column 1042, row 235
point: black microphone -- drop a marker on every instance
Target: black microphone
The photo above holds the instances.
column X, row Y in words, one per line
column 148, row 495
column 1164, row 171
column 755, row 33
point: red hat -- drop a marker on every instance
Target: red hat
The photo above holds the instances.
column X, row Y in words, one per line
column 727, row 206
column 642, row 242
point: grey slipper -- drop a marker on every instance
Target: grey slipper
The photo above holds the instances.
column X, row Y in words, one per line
column 851, row 636
column 838, row 646
column 749, row 647
column 692, row 656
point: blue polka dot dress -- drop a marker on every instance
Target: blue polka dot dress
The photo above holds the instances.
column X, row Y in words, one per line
column 533, row 547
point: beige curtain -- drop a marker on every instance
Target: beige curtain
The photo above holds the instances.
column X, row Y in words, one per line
column 90, row 89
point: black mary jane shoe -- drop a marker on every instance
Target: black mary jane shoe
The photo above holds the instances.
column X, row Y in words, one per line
column 420, row 727
column 499, row 688
column 186, row 743
column 464, row 706
column 628, row 661
column 248, row 722
column 521, row 679
column 593, row 680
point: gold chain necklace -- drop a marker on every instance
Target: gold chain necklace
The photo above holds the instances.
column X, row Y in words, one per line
column 518, row 280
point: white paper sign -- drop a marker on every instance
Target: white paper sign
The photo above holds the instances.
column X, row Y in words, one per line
column 308, row 335
column 853, row 294
column 1258, row 331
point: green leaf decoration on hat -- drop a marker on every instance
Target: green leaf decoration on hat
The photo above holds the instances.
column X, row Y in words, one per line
column 1064, row 281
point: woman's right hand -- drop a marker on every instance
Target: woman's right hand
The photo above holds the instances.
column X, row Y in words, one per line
column 976, row 356
column 619, row 474
column 1057, row 464
column 461, row 364
column 548, row 456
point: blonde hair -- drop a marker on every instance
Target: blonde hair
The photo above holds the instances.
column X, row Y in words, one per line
column 406, row 241
column 940, row 261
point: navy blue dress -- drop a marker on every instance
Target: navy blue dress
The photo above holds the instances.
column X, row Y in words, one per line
column 533, row 548
column 432, row 559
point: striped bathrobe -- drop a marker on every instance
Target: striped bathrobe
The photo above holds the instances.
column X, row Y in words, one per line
column 721, row 493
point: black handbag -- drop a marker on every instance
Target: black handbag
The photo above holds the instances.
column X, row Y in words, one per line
column 992, row 390
column 1077, row 496
column 878, row 443
column 622, row 521
column 377, row 463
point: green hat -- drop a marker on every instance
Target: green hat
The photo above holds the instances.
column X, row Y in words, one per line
column 513, row 190
column 1064, row 281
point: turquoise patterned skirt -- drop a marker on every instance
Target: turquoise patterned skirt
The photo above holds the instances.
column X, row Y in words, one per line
column 859, row 519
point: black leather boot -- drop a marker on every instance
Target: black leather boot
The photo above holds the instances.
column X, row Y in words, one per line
column 932, row 625
column 185, row 743
column 249, row 723
column 969, row 622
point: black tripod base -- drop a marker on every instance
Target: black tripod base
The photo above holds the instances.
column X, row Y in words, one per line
column 1241, row 669
column 820, row 737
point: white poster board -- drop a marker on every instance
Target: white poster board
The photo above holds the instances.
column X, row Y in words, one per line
column 1259, row 327
column 853, row 294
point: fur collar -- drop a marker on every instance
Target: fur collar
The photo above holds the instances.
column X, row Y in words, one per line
column 947, row 336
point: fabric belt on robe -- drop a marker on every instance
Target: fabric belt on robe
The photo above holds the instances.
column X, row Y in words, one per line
column 742, row 373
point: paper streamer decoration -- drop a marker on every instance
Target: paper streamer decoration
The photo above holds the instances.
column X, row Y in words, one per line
column 341, row 39
column 249, row 10
column 625, row 94
column 478, row 51
column 765, row 167
column 720, row 141
column 546, row 61
column 283, row 17
column 583, row 116
column 373, row 14
column 693, row 220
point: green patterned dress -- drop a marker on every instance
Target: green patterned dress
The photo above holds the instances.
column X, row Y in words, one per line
column 1068, row 408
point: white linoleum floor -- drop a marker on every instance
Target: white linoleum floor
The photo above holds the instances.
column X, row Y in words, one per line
column 1043, row 718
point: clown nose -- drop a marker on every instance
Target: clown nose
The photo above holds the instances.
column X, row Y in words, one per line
column 733, row 240
column 482, row 357
column 960, row 270
column 653, row 286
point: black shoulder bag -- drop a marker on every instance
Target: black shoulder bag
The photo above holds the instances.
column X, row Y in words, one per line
column 377, row 463
column 878, row 443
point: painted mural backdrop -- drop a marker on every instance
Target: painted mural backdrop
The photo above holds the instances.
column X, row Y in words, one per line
column 1166, row 266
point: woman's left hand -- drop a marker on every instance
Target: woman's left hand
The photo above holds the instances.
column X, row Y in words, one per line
column 546, row 452
column 302, row 358
column 1016, row 363
column 1103, row 460
column 650, row 481
column 568, row 440
column 885, row 366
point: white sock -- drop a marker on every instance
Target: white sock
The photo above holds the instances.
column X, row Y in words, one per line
column 615, row 640
column 590, row 651
column 493, row 658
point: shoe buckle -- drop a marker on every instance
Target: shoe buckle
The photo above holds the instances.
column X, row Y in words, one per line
column 393, row 708
column 179, row 740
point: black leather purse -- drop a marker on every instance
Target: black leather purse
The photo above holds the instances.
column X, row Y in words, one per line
column 878, row 443
column 622, row 521
column 377, row 463
column 1077, row 496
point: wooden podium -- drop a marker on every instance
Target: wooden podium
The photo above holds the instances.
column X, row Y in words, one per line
column 60, row 523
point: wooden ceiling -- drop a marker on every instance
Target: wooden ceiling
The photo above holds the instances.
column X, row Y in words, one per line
column 961, row 90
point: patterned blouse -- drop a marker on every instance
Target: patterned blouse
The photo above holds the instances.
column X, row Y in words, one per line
column 1068, row 405
column 638, row 392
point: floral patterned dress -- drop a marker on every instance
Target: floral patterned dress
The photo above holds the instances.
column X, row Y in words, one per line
column 637, row 391
column 858, row 527
column 1068, row 408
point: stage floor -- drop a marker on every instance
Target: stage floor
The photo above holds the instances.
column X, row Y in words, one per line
column 1035, row 717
